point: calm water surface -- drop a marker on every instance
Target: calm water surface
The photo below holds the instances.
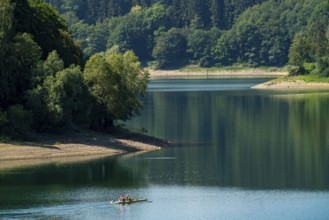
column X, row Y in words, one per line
column 237, row 154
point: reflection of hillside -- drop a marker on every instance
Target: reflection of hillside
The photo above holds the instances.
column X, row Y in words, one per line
column 55, row 179
column 109, row 171
column 252, row 140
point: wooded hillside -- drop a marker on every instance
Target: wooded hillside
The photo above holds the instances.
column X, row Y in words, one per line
column 202, row 32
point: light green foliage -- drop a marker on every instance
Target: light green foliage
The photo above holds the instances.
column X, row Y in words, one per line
column 117, row 81
column 65, row 94
column 170, row 48
column 52, row 64
column 309, row 67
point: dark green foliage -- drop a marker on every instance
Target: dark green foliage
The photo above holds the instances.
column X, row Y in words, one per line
column 309, row 51
column 258, row 38
column 322, row 67
column 170, row 48
column 212, row 13
column 19, row 60
column 200, row 44
column 48, row 28
column 259, row 32
column 299, row 50
column 15, row 122
column 135, row 31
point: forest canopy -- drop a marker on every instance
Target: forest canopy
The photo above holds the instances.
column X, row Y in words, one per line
column 211, row 32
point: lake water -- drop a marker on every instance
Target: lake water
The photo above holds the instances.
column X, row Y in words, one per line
column 236, row 153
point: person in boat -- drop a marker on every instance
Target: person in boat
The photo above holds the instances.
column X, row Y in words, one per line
column 128, row 199
column 121, row 198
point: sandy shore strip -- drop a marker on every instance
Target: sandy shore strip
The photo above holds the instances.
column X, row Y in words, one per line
column 75, row 147
column 155, row 74
column 298, row 84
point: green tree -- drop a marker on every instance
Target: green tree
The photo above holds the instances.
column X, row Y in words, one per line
column 135, row 31
column 60, row 99
column 317, row 38
column 170, row 48
column 299, row 50
column 116, row 81
column 200, row 44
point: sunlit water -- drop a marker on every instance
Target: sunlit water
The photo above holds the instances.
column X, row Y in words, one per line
column 236, row 153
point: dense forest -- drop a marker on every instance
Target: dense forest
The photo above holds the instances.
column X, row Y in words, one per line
column 172, row 33
column 46, row 86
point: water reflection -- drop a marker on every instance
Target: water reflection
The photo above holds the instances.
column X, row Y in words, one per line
column 253, row 139
column 57, row 183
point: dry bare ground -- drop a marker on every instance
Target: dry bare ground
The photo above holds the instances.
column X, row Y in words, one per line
column 84, row 145
column 299, row 84
column 154, row 74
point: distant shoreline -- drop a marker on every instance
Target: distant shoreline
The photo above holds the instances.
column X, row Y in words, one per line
column 161, row 74
column 292, row 85
column 295, row 82
column 283, row 81
column 76, row 147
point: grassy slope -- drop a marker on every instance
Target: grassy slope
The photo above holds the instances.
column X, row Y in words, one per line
column 305, row 78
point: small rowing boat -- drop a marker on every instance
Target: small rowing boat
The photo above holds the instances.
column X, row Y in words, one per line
column 128, row 202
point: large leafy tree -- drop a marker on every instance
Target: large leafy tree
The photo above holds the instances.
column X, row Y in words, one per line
column 116, row 81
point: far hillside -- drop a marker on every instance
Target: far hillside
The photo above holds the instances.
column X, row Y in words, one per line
column 174, row 33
